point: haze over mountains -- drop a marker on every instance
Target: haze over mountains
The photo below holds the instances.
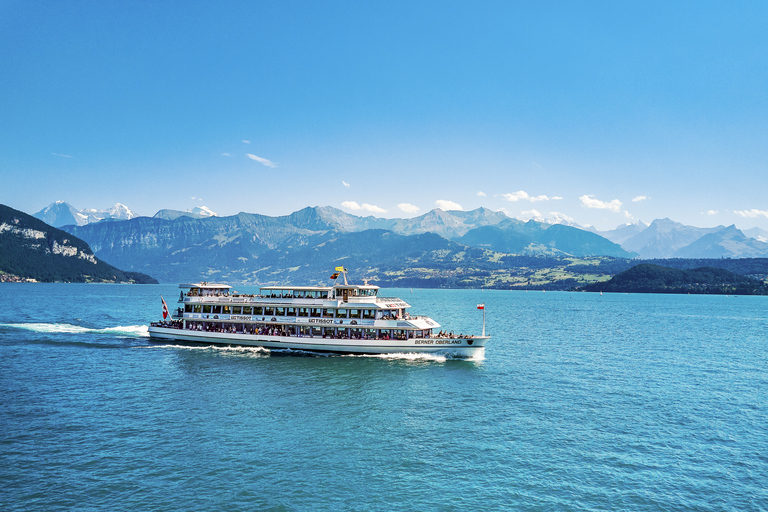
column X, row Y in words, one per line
column 178, row 246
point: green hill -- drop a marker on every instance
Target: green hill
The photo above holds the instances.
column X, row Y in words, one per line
column 30, row 249
column 649, row 278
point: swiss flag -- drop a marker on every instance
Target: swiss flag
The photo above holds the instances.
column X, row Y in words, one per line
column 165, row 308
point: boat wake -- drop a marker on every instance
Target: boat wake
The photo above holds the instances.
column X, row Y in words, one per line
column 234, row 349
column 126, row 330
column 438, row 357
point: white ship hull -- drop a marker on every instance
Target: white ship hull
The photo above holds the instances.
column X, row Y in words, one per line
column 464, row 347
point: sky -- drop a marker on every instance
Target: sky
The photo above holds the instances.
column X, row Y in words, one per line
column 594, row 112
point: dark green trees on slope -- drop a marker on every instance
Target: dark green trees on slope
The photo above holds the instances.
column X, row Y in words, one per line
column 649, row 278
column 31, row 249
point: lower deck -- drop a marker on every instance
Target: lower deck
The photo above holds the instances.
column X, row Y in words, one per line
column 460, row 346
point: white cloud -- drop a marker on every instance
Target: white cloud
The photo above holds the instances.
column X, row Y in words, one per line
column 531, row 215
column 261, row 160
column 446, row 205
column 481, row 193
column 373, row 208
column 197, row 198
column 521, row 195
column 225, row 154
column 59, row 154
column 551, row 218
column 628, row 215
column 246, row 142
column 590, row 202
column 408, row 208
column 712, row 212
column 752, row 214
column 557, row 198
column 352, row 205
column 345, row 183
column 640, row 198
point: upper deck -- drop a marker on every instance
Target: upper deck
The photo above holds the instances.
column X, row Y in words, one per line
column 328, row 296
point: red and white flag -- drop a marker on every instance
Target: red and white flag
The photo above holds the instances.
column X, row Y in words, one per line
column 481, row 306
column 165, row 308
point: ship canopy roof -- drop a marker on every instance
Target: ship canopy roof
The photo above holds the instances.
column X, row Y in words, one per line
column 206, row 286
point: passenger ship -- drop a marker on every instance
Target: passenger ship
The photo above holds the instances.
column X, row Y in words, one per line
column 344, row 318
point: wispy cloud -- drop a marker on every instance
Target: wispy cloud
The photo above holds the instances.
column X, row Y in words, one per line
column 591, row 202
column 197, row 198
column 59, row 154
column 522, row 195
column 712, row 212
column 480, row 193
column 446, row 205
column 264, row 161
column 408, row 208
column 225, row 154
column 352, row 205
column 345, row 183
column 640, row 198
column 752, row 214
column 246, row 142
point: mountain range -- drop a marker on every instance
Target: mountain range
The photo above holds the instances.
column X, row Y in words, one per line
column 61, row 213
column 257, row 248
column 663, row 238
column 178, row 246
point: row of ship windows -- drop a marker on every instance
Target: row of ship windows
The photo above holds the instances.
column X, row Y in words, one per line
column 369, row 314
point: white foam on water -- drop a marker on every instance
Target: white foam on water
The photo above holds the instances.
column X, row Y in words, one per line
column 437, row 357
column 218, row 348
column 132, row 330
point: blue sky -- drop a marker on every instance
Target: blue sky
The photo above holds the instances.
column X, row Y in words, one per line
column 599, row 112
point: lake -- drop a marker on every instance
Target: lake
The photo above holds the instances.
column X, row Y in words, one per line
column 582, row 402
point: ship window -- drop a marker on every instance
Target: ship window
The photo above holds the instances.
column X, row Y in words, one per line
column 269, row 311
column 207, row 308
column 298, row 294
column 237, row 310
column 198, row 308
column 280, row 311
column 354, row 313
column 368, row 314
column 327, row 313
column 290, row 311
column 341, row 313
column 316, row 331
column 258, row 310
column 314, row 312
column 247, row 310
column 324, row 294
column 303, row 311
column 216, row 310
column 226, row 310
column 187, row 308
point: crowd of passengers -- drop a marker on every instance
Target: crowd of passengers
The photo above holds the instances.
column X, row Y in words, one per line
column 288, row 294
column 169, row 324
column 281, row 331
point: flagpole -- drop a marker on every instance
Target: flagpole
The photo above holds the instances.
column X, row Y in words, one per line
column 483, row 318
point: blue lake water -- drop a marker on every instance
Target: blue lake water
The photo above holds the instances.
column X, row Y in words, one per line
column 583, row 402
